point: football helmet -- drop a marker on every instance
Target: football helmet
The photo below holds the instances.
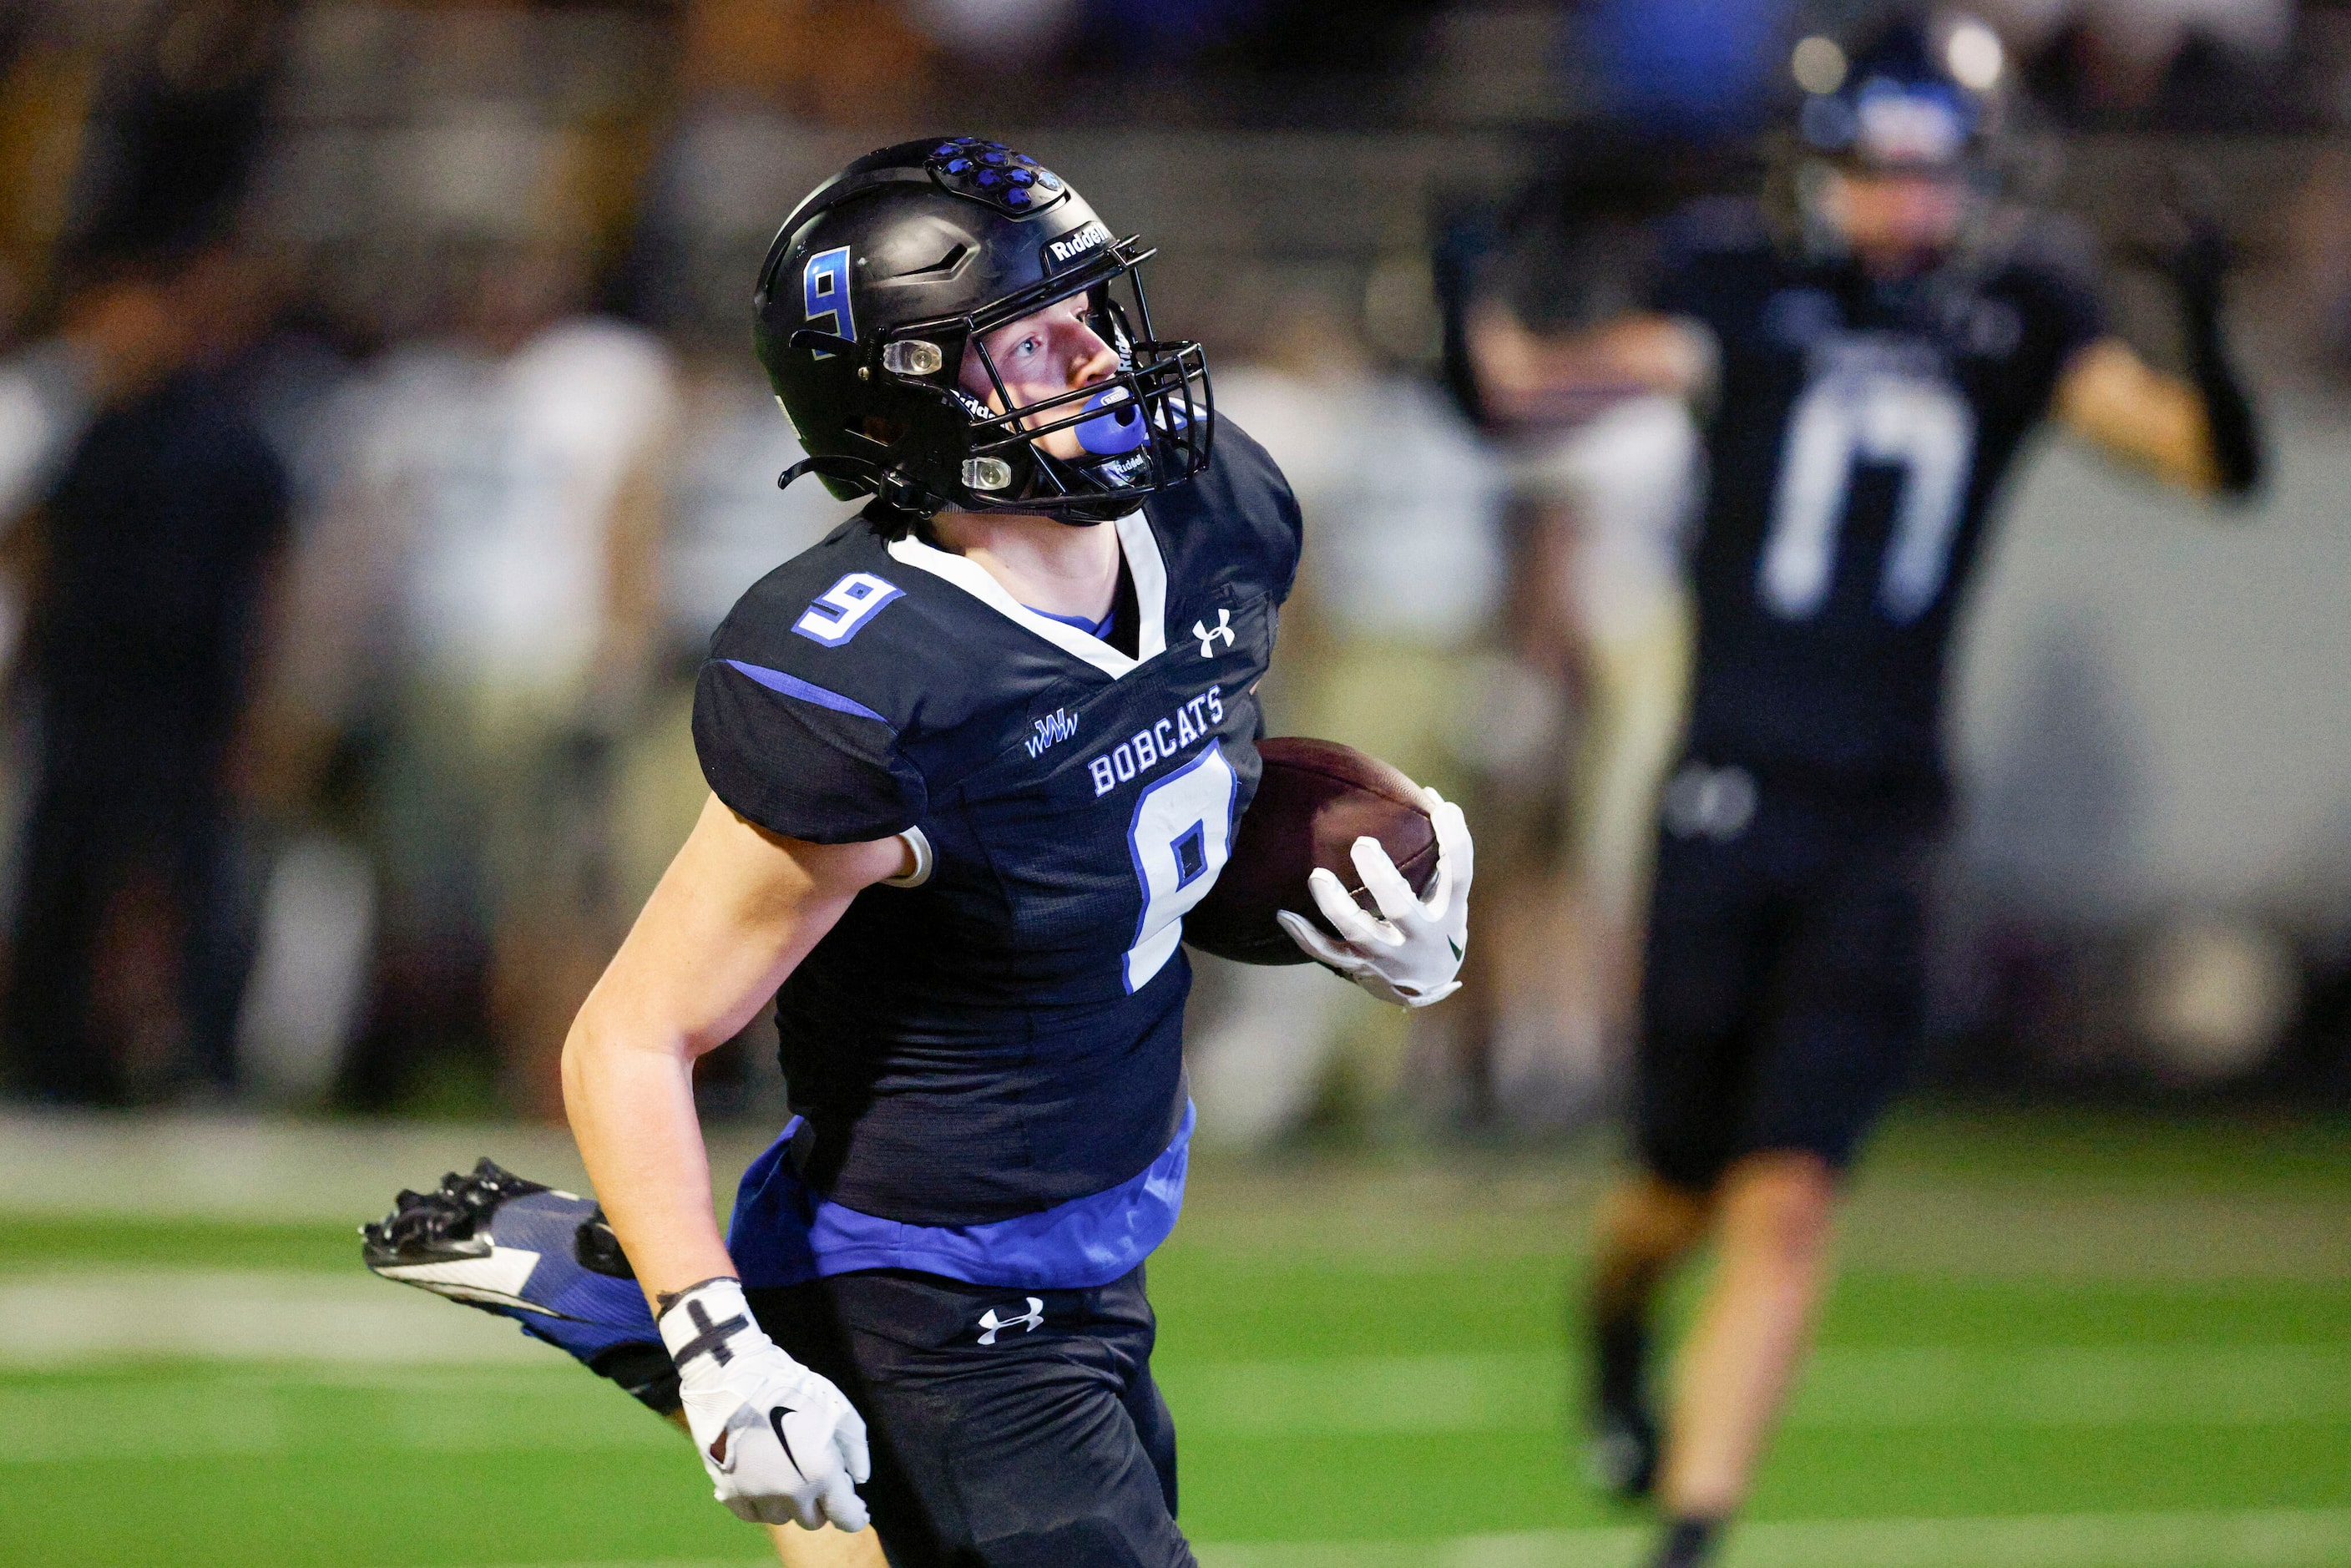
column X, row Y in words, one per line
column 891, row 271
column 1916, row 97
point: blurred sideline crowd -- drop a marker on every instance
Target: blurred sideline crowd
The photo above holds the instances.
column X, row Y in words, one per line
column 351, row 596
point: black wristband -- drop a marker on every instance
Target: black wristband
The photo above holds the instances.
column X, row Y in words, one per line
column 1454, row 266
column 664, row 1300
column 2228, row 411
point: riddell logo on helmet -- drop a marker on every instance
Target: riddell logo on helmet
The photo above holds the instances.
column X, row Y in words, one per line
column 1062, row 252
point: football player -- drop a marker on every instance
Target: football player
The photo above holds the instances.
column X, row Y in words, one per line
column 1870, row 352
column 972, row 759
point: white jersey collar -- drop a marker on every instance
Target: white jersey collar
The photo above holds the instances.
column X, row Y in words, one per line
column 1145, row 567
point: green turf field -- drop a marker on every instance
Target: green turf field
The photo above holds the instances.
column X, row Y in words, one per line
column 2077, row 1341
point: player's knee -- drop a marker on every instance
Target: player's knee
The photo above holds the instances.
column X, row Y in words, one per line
column 1781, row 1203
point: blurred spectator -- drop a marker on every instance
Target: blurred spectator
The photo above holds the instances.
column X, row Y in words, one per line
column 505, row 482
column 996, row 32
column 2110, row 55
column 50, row 391
column 1379, row 649
column 2320, row 329
column 842, row 61
column 1610, row 499
column 727, row 527
column 160, row 537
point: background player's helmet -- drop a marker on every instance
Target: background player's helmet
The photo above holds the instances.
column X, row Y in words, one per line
column 1917, row 97
column 880, row 279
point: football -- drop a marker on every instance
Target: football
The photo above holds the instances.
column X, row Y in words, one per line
column 1316, row 798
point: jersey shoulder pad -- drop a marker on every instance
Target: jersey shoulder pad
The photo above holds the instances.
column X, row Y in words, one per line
column 2052, row 268
column 799, row 711
column 1239, row 514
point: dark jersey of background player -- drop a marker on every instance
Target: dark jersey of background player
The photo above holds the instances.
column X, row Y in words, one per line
column 985, row 1065
column 1861, row 433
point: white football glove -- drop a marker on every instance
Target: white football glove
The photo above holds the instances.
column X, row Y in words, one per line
column 1409, row 957
column 780, row 1442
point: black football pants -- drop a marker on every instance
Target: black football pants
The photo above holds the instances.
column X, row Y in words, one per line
column 1783, row 990
column 1010, row 1428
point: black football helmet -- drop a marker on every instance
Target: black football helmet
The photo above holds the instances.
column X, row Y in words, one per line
column 885, row 276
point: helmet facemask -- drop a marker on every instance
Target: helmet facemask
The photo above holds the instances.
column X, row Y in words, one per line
column 1142, row 429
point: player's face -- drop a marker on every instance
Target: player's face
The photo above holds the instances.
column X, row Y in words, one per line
column 1896, row 223
column 1042, row 356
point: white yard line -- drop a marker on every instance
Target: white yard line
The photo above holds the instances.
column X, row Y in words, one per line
column 2189, row 1384
column 66, row 1318
column 2269, row 1538
column 2314, row 1538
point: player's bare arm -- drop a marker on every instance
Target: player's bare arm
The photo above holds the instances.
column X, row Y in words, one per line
column 2133, row 412
column 1530, row 380
column 737, row 910
column 2197, row 431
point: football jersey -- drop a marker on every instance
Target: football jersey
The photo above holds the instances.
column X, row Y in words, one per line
column 1003, row 1038
column 1861, row 435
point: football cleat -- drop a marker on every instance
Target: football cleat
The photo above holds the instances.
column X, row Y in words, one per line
column 1622, row 1458
column 545, row 1259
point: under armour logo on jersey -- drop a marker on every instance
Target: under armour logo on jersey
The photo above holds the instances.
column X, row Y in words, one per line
column 1208, row 634
column 1032, row 1320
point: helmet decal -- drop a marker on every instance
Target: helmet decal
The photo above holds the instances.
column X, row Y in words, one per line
column 1898, row 124
column 1012, row 182
column 824, row 292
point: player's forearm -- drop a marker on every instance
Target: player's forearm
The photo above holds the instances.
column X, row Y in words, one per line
column 734, row 914
column 1527, row 378
column 630, row 1104
column 2139, row 416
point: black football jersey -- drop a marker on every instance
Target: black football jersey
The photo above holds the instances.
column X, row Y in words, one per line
column 1861, row 435
column 1004, row 1036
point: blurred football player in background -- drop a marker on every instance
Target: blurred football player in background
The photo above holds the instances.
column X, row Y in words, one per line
column 1870, row 346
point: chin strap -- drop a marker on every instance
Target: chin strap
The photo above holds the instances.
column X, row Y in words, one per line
column 838, row 465
column 888, row 486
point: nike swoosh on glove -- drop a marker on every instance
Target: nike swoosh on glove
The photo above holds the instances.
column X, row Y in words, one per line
column 1411, row 955
column 779, row 1441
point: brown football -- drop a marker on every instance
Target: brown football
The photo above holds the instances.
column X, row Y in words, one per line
column 1315, row 799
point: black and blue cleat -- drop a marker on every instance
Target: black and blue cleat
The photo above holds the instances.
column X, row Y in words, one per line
column 545, row 1259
